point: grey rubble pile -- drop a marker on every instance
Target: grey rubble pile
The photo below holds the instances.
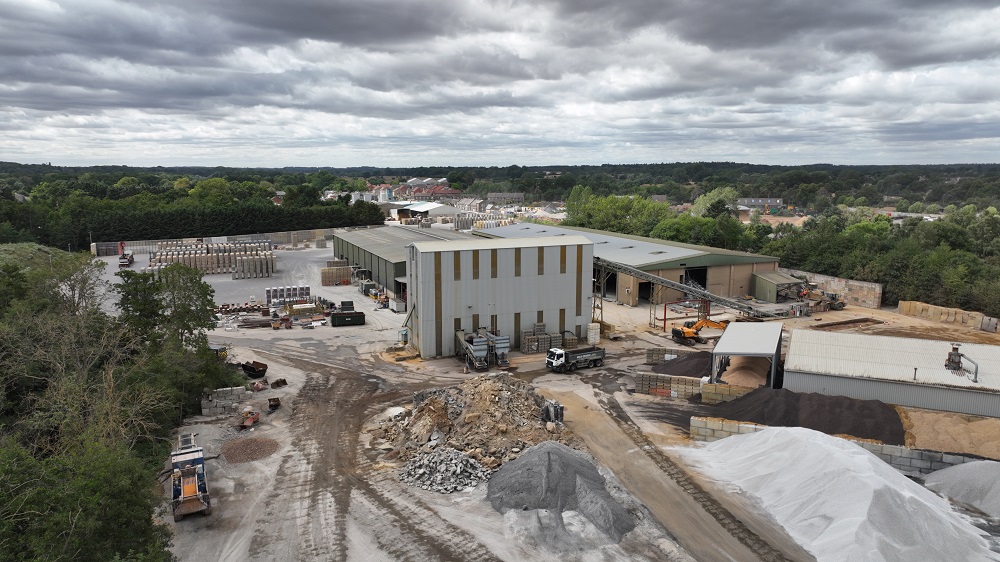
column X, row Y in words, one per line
column 555, row 477
column 491, row 418
column 444, row 470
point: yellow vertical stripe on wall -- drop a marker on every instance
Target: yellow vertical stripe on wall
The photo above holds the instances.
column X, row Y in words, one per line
column 438, row 321
column 475, row 264
column 458, row 265
column 579, row 280
column 562, row 259
column 541, row 260
column 517, row 262
column 517, row 330
column 493, row 264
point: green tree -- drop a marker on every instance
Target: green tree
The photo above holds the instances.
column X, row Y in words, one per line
column 728, row 195
column 187, row 305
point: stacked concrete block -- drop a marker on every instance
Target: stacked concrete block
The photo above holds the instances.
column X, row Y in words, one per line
column 225, row 401
column 975, row 320
column 335, row 275
column 652, row 383
column 667, row 385
column 570, row 341
column 855, row 293
column 716, row 393
column 593, row 333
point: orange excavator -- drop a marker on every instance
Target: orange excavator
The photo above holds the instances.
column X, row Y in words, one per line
column 690, row 332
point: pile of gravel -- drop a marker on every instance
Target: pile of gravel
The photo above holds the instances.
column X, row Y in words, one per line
column 552, row 476
column 833, row 415
column 973, row 483
column 443, row 470
column 697, row 364
column 248, row 449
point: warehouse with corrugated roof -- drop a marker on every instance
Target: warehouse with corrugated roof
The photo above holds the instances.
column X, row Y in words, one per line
column 382, row 251
column 935, row 375
column 722, row 272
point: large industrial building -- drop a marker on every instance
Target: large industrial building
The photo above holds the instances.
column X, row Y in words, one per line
column 506, row 285
column 903, row 371
column 382, row 251
column 725, row 273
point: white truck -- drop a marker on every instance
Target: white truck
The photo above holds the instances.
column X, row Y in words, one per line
column 562, row 360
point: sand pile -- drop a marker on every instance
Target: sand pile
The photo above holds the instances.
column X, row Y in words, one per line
column 491, row 418
column 956, row 433
column 833, row 415
column 551, row 476
column 697, row 365
column 973, row 484
column 839, row 501
column 749, row 372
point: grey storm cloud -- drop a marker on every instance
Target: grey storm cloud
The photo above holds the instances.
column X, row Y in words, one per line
column 337, row 82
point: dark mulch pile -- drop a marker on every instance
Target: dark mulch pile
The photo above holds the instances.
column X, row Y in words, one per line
column 698, row 364
column 868, row 419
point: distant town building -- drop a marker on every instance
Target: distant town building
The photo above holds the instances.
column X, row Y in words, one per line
column 759, row 202
column 503, row 198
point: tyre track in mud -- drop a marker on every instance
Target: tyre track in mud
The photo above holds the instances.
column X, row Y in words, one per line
column 754, row 542
column 329, row 413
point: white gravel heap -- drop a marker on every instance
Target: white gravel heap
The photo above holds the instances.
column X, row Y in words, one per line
column 839, row 501
column 974, row 483
column 444, row 470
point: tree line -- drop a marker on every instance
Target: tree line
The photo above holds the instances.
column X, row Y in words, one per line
column 88, row 401
column 75, row 211
column 953, row 261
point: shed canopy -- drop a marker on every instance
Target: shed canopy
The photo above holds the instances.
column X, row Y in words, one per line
column 751, row 339
column 778, row 278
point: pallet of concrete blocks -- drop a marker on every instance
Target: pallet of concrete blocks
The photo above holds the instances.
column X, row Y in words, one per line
column 569, row 341
column 538, row 328
column 556, row 340
column 337, row 263
column 544, row 343
column 529, row 344
column 593, row 333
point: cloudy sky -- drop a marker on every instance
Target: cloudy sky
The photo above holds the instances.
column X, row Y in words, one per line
column 481, row 82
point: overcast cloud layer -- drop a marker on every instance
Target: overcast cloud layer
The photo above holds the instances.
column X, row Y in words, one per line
column 480, row 82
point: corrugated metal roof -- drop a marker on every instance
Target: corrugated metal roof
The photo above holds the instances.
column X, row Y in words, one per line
column 778, row 278
column 389, row 242
column 890, row 358
column 423, row 207
column 608, row 246
column 634, row 251
column 498, row 243
column 757, row 339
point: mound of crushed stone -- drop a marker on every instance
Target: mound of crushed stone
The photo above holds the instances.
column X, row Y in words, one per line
column 833, row 415
column 552, row 476
column 839, row 501
column 490, row 418
column 248, row 449
column 443, row 470
column 973, row 483
column 697, row 364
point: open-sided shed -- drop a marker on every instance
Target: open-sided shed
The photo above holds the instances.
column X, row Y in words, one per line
column 748, row 339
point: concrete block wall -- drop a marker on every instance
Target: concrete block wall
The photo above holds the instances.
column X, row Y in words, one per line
column 912, row 462
column 976, row 320
column 716, row 393
column 667, row 385
column 855, row 293
column 225, row 401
